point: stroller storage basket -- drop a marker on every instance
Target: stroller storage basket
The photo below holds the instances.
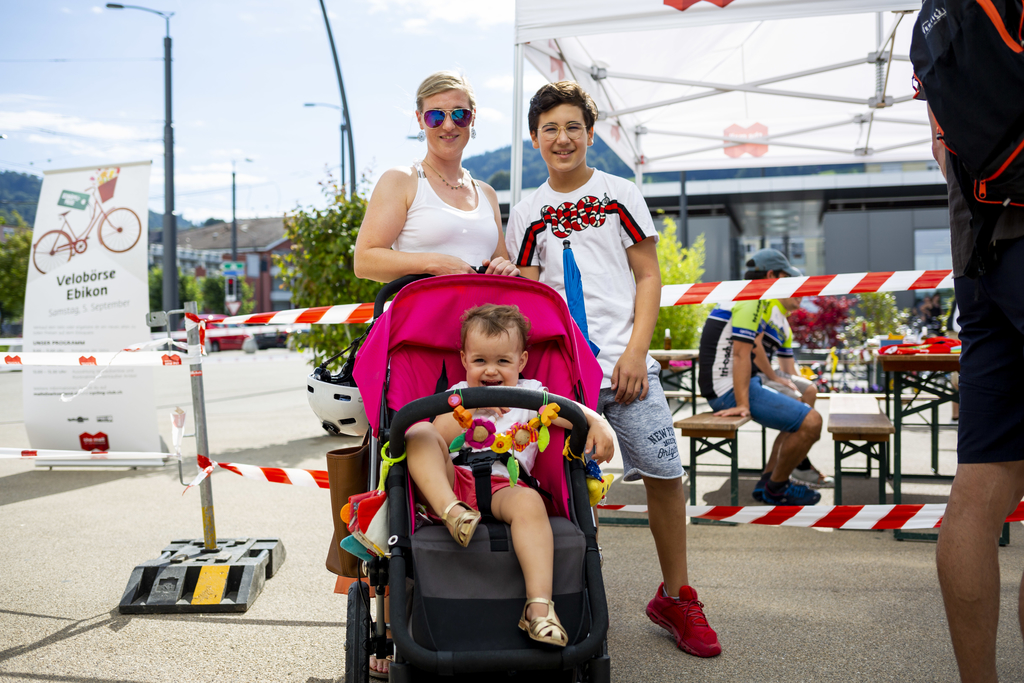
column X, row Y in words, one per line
column 583, row 607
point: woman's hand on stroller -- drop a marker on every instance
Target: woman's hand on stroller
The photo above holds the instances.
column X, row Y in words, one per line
column 499, row 265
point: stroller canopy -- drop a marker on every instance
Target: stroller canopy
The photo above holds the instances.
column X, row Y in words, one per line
column 417, row 339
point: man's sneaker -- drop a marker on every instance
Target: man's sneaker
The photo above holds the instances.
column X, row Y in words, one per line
column 684, row 619
column 793, row 494
column 758, row 493
column 814, row 478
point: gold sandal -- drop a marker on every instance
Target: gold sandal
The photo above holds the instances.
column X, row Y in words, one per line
column 463, row 526
column 546, row 629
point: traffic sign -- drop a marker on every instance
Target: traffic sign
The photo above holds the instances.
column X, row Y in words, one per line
column 232, row 268
column 233, row 307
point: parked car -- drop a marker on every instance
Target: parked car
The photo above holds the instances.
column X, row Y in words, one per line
column 272, row 338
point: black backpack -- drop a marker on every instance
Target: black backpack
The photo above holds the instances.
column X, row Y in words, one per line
column 968, row 58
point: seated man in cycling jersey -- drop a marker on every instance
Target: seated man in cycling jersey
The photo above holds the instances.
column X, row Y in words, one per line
column 729, row 384
column 778, row 342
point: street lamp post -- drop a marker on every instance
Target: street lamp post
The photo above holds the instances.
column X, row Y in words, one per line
column 344, row 127
column 346, row 119
column 234, row 221
column 170, row 230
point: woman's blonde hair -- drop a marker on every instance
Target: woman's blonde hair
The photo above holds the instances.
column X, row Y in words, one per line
column 443, row 81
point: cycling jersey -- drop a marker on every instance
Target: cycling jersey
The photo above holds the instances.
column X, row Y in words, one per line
column 742, row 321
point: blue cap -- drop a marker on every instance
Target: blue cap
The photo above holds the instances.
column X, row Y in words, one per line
column 772, row 259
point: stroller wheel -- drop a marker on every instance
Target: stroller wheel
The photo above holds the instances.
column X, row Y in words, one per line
column 357, row 634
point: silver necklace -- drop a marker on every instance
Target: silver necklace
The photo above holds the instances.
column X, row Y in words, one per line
column 462, row 183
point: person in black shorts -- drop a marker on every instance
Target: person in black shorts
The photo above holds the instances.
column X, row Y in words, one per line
column 989, row 479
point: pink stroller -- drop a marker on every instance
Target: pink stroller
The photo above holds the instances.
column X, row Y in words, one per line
column 454, row 610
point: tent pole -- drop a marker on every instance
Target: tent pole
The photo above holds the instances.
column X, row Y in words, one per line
column 516, row 181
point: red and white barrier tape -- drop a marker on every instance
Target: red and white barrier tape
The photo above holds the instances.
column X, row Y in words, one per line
column 347, row 313
column 674, row 295
column 96, row 358
column 41, row 454
column 817, row 285
column 927, row 516
column 276, row 475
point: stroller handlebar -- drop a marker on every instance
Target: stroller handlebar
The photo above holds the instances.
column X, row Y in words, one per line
column 482, row 397
column 393, row 287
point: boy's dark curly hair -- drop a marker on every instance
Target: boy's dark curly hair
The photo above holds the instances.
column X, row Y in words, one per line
column 563, row 92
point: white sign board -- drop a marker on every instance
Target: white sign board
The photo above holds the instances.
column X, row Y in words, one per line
column 88, row 291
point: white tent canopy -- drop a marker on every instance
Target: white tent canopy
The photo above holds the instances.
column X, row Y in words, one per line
column 751, row 83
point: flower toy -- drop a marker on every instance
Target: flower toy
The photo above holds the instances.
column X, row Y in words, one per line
column 502, row 443
column 463, row 417
column 522, row 436
column 480, row 434
column 541, row 423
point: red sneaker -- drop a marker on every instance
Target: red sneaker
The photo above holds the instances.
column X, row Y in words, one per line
column 685, row 620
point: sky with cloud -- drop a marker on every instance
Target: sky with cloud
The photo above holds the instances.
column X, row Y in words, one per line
column 242, row 73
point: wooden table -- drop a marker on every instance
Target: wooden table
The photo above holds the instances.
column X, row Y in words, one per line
column 676, row 378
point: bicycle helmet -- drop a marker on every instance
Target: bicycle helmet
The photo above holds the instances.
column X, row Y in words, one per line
column 336, row 401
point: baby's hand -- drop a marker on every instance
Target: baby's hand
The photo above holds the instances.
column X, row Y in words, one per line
column 496, row 413
column 600, row 440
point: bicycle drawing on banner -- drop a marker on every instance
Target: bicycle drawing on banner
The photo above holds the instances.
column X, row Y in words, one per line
column 118, row 228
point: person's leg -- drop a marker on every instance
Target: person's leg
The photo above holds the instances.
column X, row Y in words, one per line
column 430, row 465
column 523, row 509
column 967, row 556
column 797, row 445
column 647, row 442
column 990, row 475
column 666, row 510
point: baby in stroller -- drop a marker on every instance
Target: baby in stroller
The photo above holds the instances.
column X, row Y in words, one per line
column 493, row 353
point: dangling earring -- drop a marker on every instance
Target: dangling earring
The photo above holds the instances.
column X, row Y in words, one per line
column 472, row 133
column 422, row 135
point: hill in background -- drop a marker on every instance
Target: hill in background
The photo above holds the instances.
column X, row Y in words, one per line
column 20, row 192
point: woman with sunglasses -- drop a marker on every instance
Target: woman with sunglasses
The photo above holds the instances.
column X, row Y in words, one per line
column 432, row 217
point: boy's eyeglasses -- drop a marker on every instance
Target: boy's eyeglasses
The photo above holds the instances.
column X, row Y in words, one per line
column 573, row 130
column 435, row 117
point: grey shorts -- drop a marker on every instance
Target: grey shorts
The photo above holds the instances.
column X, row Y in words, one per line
column 647, row 439
column 802, row 384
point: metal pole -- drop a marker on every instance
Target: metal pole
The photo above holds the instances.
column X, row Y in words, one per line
column 516, row 181
column 202, row 443
column 341, row 169
column 684, row 209
column 344, row 105
column 170, row 236
column 234, row 220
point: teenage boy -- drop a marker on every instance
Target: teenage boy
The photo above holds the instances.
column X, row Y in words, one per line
column 613, row 241
column 727, row 382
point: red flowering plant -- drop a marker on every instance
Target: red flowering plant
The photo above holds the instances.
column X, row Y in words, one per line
column 821, row 325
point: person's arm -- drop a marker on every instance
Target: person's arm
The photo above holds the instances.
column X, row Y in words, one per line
column 765, row 366
column 374, row 259
column 788, row 365
column 498, row 264
column 629, row 378
column 741, row 367
column 532, row 272
column 938, row 149
column 600, row 436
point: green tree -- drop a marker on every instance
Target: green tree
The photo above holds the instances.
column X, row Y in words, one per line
column 319, row 266
column 877, row 313
column 212, row 287
column 14, row 256
column 188, row 289
column 680, row 265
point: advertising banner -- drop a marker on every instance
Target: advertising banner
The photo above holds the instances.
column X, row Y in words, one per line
column 88, row 292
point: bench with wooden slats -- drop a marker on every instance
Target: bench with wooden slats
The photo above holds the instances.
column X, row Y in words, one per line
column 858, row 426
column 711, row 434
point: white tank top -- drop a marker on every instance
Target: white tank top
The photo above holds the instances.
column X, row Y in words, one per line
column 433, row 226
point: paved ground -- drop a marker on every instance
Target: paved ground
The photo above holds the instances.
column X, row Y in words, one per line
column 789, row 604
